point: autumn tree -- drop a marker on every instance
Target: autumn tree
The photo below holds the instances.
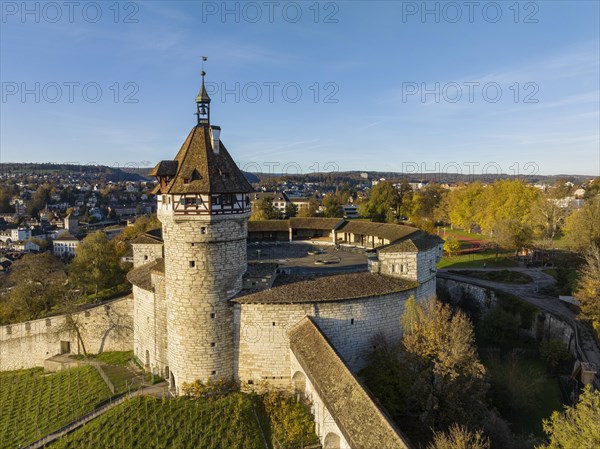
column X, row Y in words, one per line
column 588, row 288
column 512, row 234
column 39, row 199
column 263, row 209
column 439, row 351
column 39, row 281
column 506, row 203
column 5, row 197
column 424, row 206
column 451, row 246
column 464, row 205
column 459, row 437
column 291, row 210
column 547, row 218
column 96, row 264
column 332, row 205
column 383, row 204
column 142, row 224
column 312, row 210
column 578, row 426
column 582, row 226
column 593, row 188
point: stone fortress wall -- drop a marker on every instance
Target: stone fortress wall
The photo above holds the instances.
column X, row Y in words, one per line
column 108, row 327
column 205, row 259
column 353, row 326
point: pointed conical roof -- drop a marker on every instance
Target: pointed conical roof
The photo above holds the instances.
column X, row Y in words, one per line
column 200, row 170
column 202, row 96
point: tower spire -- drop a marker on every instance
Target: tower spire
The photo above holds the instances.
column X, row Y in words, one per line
column 203, row 100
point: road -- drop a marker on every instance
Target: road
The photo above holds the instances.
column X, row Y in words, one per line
column 586, row 344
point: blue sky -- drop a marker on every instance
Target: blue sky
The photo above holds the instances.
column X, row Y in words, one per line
column 360, row 86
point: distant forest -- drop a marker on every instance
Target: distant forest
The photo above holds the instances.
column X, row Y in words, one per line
column 133, row 173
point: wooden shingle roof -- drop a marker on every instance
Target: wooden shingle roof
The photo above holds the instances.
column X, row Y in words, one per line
column 419, row 241
column 388, row 231
column 315, row 223
column 293, row 289
column 363, row 424
column 147, row 239
column 268, row 225
column 140, row 276
column 200, row 169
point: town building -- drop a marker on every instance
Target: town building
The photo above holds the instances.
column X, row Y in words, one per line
column 15, row 234
column 65, row 245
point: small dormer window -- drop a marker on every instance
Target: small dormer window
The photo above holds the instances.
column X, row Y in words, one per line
column 186, row 180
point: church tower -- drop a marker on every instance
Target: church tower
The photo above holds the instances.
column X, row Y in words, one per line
column 203, row 205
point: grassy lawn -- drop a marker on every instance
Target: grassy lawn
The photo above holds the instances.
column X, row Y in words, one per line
column 33, row 405
column 115, row 368
column 110, row 358
column 476, row 260
column 462, row 234
column 551, row 271
column 504, row 276
column 108, row 293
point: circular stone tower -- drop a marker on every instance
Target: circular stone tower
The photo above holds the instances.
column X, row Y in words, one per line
column 203, row 204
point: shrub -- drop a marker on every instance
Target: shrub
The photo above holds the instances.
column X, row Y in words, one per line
column 291, row 424
column 577, row 427
column 459, row 437
column 498, row 326
column 210, row 389
column 555, row 353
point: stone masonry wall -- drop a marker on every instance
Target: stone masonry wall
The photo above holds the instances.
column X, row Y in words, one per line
column 205, row 258
column 544, row 325
column 400, row 264
column 325, row 425
column 352, row 326
column 107, row 327
column 146, row 253
column 419, row 266
column 150, row 333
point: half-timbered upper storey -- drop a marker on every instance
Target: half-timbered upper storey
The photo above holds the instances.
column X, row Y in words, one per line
column 203, row 178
